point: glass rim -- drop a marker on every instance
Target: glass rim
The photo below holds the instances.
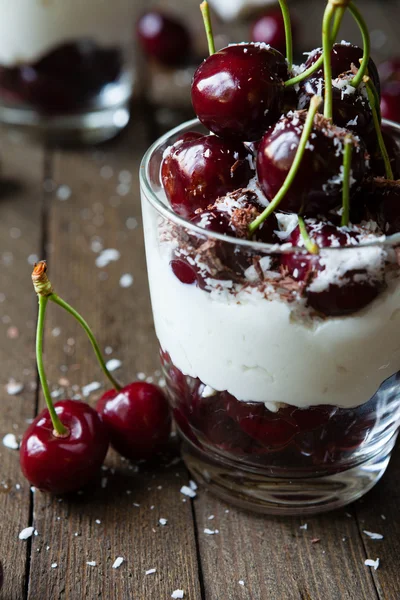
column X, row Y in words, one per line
column 167, row 212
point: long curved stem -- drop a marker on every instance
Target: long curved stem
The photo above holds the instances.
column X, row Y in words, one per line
column 57, row 300
column 326, row 53
column 355, row 82
column 288, row 31
column 347, row 154
column 339, row 13
column 372, row 97
column 205, row 11
column 59, row 428
column 273, row 205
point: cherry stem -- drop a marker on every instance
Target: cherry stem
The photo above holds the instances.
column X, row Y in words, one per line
column 347, row 154
column 311, row 246
column 273, row 205
column 326, row 53
column 355, row 82
column 319, row 63
column 59, row 429
column 44, row 289
column 205, row 11
column 374, row 103
column 57, row 300
column 288, row 31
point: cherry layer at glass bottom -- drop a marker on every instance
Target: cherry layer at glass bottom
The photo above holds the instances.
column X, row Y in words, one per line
column 63, row 80
column 322, row 437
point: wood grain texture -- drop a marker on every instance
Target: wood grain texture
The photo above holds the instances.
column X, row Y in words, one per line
column 20, row 217
column 99, row 213
column 277, row 559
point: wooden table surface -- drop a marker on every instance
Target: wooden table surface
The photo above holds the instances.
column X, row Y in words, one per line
column 65, row 206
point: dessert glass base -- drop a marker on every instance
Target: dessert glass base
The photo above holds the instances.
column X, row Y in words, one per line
column 282, row 408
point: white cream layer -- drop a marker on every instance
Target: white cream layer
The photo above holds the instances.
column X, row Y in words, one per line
column 30, row 28
column 259, row 351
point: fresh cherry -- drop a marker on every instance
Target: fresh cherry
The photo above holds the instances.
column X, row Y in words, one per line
column 389, row 71
column 392, row 145
column 343, row 56
column 61, row 464
column 351, row 109
column 164, row 38
column 354, row 292
column 197, row 171
column 317, row 187
column 138, row 419
column 269, row 29
column 390, row 101
column 383, row 204
column 238, row 92
column 64, row 78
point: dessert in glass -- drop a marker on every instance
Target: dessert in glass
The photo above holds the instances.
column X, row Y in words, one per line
column 66, row 68
column 273, row 258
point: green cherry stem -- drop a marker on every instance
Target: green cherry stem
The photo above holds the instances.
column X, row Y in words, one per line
column 372, row 97
column 347, row 154
column 273, row 205
column 339, row 13
column 44, row 289
column 326, row 53
column 205, row 11
column 311, row 246
column 355, row 82
column 59, row 429
column 288, row 31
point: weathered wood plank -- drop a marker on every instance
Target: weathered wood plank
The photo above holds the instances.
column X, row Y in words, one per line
column 378, row 512
column 99, row 214
column 20, row 234
column 277, row 559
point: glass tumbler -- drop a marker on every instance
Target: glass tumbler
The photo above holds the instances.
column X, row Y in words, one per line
column 66, row 67
column 281, row 410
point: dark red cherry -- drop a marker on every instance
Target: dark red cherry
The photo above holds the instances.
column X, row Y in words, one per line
column 64, row 78
column 269, row 29
column 390, row 101
column 351, row 109
column 317, row 187
column 164, row 38
column 64, row 464
column 196, row 172
column 185, row 272
column 354, row 291
column 389, row 71
column 383, row 204
column 392, row 144
column 138, row 419
column 238, row 92
column 342, row 58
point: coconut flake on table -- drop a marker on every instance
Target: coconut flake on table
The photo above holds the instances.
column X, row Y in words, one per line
column 106, row 257
column 126, row 280
column 54, row 565
column 187, row 491
column 10, row 441
column 91, row 563
column 210, row 531
column 305, row 526
column 372, row 563
column 241, row 582
column 90, row 387
column 26, row 533
column 117, row 562
column 163, row 521
column 177, row 594
column 13, row 388
column 150, row 571
column 373, row 536
column 193, row 485
column 113, row 364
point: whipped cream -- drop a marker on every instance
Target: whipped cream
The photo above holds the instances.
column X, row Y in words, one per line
column 30, row 28
column 267, row 350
